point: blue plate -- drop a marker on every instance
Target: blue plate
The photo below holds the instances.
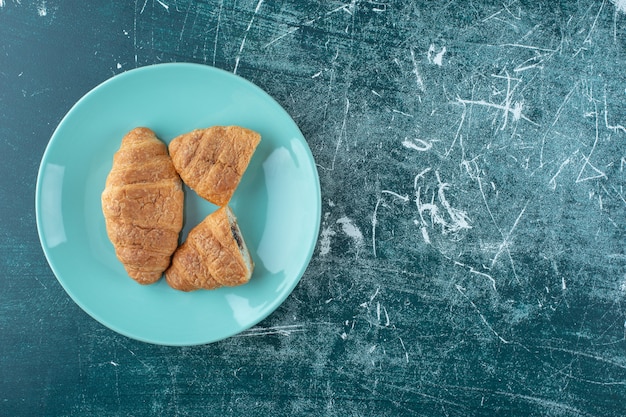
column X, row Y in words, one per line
column 277, row 204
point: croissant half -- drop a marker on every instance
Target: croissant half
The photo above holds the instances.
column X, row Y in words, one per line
column 142, row 203
column 213, row 255
column 212, row 161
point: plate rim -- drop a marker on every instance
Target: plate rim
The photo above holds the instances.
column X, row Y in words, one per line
column 308, row 254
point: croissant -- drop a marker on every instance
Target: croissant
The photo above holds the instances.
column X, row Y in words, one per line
column 212, row 161
column 142, row 203
column 213, row 255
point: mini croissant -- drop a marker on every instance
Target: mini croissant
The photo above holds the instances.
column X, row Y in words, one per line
column 142, row 203
column 212, row 161
column 213, row 255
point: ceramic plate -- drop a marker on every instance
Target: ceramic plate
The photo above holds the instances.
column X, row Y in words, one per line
column 277, row 203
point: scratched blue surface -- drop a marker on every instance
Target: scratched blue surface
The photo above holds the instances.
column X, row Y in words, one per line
column 471, row 259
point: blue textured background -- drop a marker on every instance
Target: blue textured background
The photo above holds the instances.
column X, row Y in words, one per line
column 471, row 259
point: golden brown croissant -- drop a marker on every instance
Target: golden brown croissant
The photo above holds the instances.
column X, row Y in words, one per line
column 142, row 204
column 212, row 161
column 213, row 255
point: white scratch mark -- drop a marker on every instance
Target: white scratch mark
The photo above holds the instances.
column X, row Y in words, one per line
column 475, row 175
column 404, row 198
column 506, row 77
column 289, row 32
column 458, row 219
column 473, row 270
column 417, row 144
column 285, row 330
column 425, row 234
column 342, row 133
column 307, row 23
column 217, row 30
column 379, row 7
column 507, row 22
column 165, row 6
column 503, row 340
column 402, row 113
column 245, row 36
column 418, row 78
column 509, row 93
column 387, row 322
column 511, row 13
column 42, row 284
column 505, row 8
column 148, row 367
column 598, row 173
column 135, row 31
column 516, row 110
column 593, row 26
column 507, row 240
column 420, row 176
column 458, row 131
column 406, row 354
column 182, row 31
column 114, row 363
column 522, row 67
column 614, row 128
column 556, row 119
column 375, row 294
column 585, row 355
column 552, row 181
column 317, row 74
column 143, row 7
column 374, row 223
column 517, row 45
column 546, row 403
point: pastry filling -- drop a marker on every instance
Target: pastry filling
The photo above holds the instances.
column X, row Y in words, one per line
column 235, row 232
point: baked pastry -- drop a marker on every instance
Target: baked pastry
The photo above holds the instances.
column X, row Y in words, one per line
column 142, row 203
column 213, row 255
column 212, row 161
